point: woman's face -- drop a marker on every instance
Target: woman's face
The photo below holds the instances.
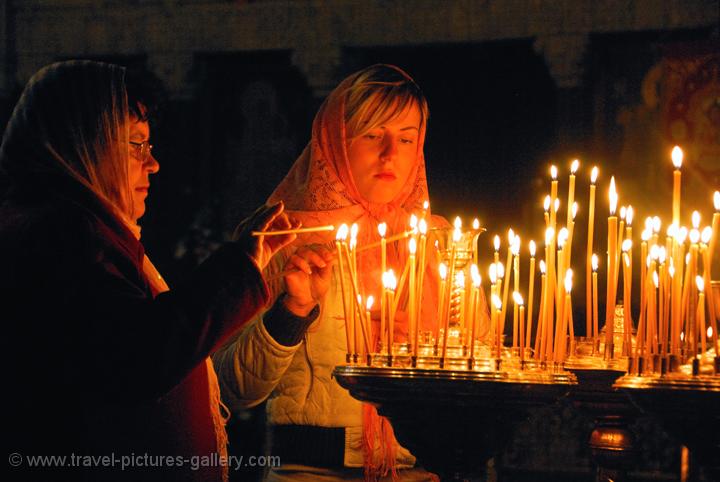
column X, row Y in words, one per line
column 139, row 169
column 382, row 158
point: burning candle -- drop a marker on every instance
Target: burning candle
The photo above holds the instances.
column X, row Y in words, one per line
column 553, row 194
column 497, row 306
column 677, row 158
column 506, row 282
column 382, row 230
column 571, row 188
column 496, row 245
column 390, row 283
column 516, row 284
column 701, row 311
column 548, row 300
column 412, row 305
column 612, row 260
column 340, row 238
column 595, row 263
column 561, row 332
column 705, row 238
column 627, row 303
column 531, row 281
column 546, row 207
column 368, row 307
column 518, row 301
column 422, row 227
column 539, row 337
column 474, row 306
column 442, row 271
column 588, row 260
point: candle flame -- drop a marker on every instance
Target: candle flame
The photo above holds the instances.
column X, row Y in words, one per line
column 342, row 232
column 649, row 223
column 671, row 269
column 497, row 303
column 457, row 235
column 422, row 227
column 517, row 297
column 645, row 236
column 656, row 280
column 476, row 224
column 654, row 252
column 568, row 280
column 709, row 332
column 412, row 246
column 382, row 229
column 628, row 262
column 426, row 205
column 542, row 266
column 574, row 166
column 443, row 271
column 557, row 205
column 662, row 256
column 553, row 172
column 549, row 235
column 706, row 235
column 716, row 201
column 687, row 259
column 595, row 262
column 613, row 196
column 562, row 237
column 682, row 336
column 532, row 248
column 657, row 224
column 546, row 203
column 413, row 221
column 623, row 211
column 682, row 234
column 594, row 175
column 696, row 219
column 626, row 245
column 493, row 273
column 496, row 242
column 369, row 302
column 511, row 236
column 389, row 280
column 574, row 210
column 457, row 223
column 354, row 231
column 629, row 216
column 677, row 157
column 672, row 231
column 694, row 236
column 353, row 243
column 500, row 270
column 516, row 246
column 700, row 282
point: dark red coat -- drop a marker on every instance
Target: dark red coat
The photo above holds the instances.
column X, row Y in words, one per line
column 94, row 364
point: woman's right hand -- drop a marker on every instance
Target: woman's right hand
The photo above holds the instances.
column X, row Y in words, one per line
column 266, row 218
column 307, row 278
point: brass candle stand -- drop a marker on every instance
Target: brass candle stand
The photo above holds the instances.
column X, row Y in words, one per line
column 454, row 421
column 685, row 403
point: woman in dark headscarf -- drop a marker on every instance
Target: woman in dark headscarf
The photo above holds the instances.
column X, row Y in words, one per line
column 101, row 359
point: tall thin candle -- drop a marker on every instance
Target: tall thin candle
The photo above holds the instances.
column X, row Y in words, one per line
column 588, row 259
column 531, row 279
column 612, row 260
column 677, row 158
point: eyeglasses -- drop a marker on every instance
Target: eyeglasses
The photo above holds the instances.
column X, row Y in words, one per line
column 142, row 150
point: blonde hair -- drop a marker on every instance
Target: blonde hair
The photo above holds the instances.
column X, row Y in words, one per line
column 379, row 94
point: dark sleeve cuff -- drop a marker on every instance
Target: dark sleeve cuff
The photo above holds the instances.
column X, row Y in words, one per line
column 286, row 327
